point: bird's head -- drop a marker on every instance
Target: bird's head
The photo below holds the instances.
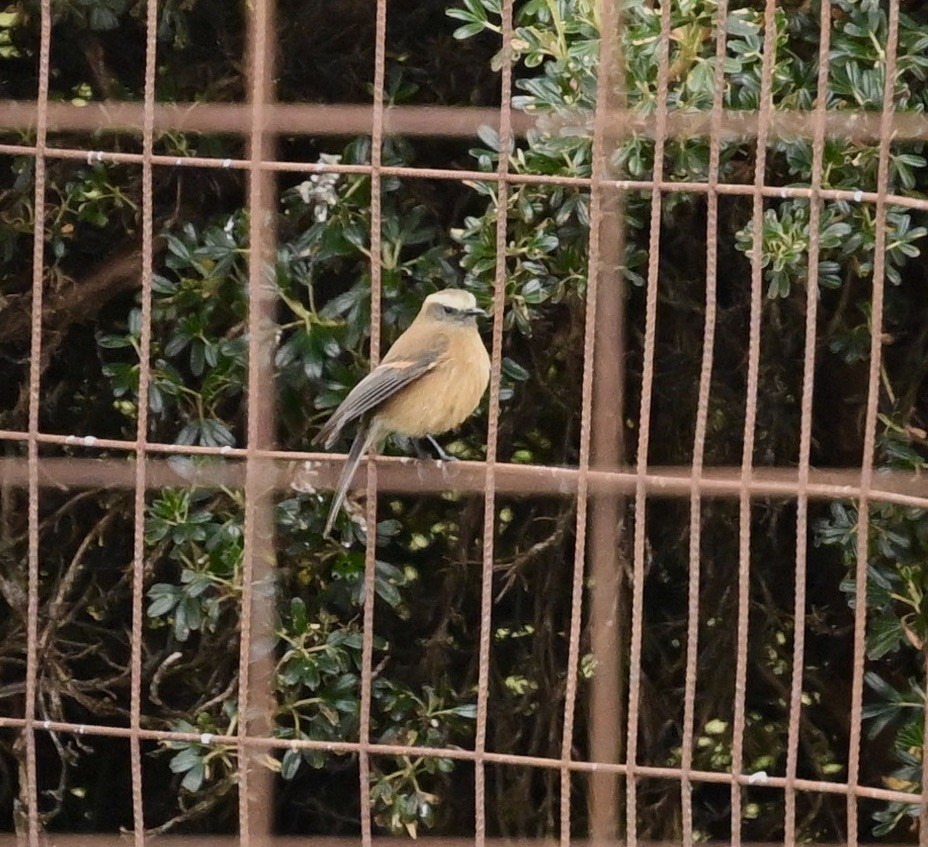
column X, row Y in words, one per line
column 452, row 305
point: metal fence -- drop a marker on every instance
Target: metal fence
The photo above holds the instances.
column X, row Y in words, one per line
column 600, row 480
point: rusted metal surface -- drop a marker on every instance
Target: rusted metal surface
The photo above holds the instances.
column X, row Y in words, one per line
column 805, row 435
column 460, row 754
column 869, row 448
column 699, row 439
column 323, row 119
column 750, row 420
column 294, row 471
column 490, row 489
column 602, row 444
column 644, row 438
column 110, row 840
column 141, row 431
column 370, row 547
column 31, row 794
column 258, row 604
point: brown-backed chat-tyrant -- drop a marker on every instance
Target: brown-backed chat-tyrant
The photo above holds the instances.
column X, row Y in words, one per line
column 430, row 381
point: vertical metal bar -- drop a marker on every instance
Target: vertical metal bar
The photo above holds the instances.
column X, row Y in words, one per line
column 607, row 561
column 702, row 416
column 35, row 379
column 750, row 419
column 644, row 430
column 873, row 399
column 370, row 548
column 805, row 432
column 256, row 661
column 141, row 432
column 607, row 450
column 589, row 353
column 923, row 806
column 489, row 514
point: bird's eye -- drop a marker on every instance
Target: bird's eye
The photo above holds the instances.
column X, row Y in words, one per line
column 447, row 310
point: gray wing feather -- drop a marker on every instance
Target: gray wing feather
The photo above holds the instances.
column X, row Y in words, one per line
column 381, row 383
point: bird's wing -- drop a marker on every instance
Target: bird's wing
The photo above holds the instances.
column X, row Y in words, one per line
column 396, row 370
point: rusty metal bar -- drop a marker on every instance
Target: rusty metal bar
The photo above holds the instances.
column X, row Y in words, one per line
column 285, row 471
column 608, row 599
column 141, row 431
column 734, row 189
column 370, row 545
column 608, row 37
column 873, row 399
column 341, row 119
column 256, row 666
column 29, row 793
column 116, row 840
column 490, row 483
column 923, row 806
column 750, row 416
column 318, row 119
column 699, row 435
column 268, row 743
column 805, row 436
column 644, row 432
column 605, row 558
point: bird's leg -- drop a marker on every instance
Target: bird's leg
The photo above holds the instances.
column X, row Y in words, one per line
column 440, row 451
column 421, row 452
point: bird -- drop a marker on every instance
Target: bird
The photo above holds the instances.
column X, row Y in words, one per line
column 429, row 382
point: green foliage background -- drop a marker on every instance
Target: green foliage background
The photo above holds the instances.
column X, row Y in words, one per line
column 434, row 235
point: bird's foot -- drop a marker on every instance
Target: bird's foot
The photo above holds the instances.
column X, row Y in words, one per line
column 443, row 456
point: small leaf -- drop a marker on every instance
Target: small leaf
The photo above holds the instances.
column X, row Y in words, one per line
column 298, row 615
column 194, row 778
column 514, row 371
column 290, row 764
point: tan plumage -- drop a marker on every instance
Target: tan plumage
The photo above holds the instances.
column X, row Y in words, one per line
column 430, row 382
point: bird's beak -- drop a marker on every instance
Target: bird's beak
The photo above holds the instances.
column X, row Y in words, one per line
column 477, row 312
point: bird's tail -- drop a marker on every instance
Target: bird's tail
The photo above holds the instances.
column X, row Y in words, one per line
column 362, row 441
column 327, row 435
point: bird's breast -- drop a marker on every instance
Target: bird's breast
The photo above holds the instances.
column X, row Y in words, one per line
column 446, row 396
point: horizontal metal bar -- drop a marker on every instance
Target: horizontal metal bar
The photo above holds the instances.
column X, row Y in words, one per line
column 58, row 839
column 312, row 119
column 292, row 471
column 782, row 192
column 317, row 119
column 761, row 779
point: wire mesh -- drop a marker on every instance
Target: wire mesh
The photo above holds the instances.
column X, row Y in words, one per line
column 600, row 482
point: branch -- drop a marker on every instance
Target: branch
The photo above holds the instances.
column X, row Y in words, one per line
column 75, row 301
